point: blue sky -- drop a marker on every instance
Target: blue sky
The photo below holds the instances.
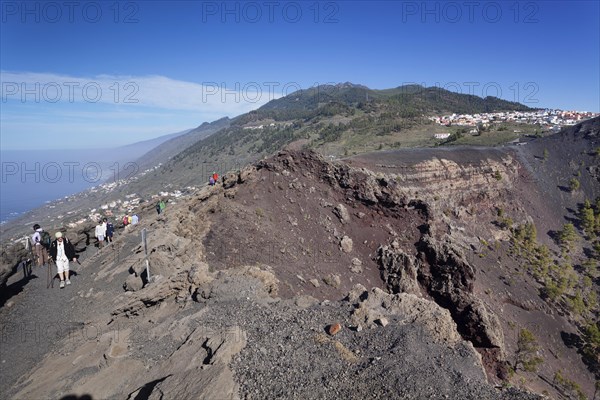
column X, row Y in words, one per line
column 102, row 74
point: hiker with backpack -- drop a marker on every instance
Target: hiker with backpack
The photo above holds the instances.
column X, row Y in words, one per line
column 160, row 206
column 100, row 232
column 110, row 230
column 41, row 240
column 61, row 251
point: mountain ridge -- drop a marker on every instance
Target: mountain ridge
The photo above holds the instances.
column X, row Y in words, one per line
column 440, row 99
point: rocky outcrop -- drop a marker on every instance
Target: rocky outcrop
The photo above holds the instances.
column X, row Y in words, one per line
column 374, row 305
column 198, row 368
column 448, row 278
column 231, row 179
column 10, row 259
column 161, row 289
column 449, row 185
column 446, row 271
column 442, row 272
column 390, row 346
column 398, row 269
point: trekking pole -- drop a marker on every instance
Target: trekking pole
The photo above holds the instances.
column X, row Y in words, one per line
column 50, row 281
column 29, row 247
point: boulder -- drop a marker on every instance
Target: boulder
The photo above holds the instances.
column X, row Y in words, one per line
column 342, row 213
column 346, row 244
column 334, row 329
column 133, row 283
column 332, row 280
column 357, row 294
column 356, row 266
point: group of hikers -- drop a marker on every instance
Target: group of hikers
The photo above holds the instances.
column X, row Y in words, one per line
column 104, row 232
column 130, row 219
column 60, row 250
column 213, row 179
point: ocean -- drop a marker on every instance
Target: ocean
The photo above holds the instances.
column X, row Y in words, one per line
column 33, row 178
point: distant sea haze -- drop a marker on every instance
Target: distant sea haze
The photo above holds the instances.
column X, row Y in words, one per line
column 31, row 179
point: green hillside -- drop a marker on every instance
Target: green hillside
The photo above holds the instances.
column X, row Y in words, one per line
column 338, row 120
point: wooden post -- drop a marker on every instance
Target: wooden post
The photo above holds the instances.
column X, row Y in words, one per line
column 145, row 243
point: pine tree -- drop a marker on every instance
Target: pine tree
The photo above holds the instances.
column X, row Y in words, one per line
column 527, row 348
column 574, row 184
column 567, row 236
column 588, row 219
column 597, row 216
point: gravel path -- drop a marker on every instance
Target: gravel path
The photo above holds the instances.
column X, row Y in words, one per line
column 34, row 319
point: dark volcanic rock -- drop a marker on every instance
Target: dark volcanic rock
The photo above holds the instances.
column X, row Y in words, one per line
column 398, row 270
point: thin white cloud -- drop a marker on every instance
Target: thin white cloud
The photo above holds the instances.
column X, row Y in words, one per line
column 10, row 117
column 80, row 135
column 89, row 111
column 134, row 91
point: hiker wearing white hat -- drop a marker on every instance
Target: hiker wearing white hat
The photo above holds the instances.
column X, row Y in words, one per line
column 61, row 251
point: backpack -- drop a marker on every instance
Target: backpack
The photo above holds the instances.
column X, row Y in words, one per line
column 45, row 239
